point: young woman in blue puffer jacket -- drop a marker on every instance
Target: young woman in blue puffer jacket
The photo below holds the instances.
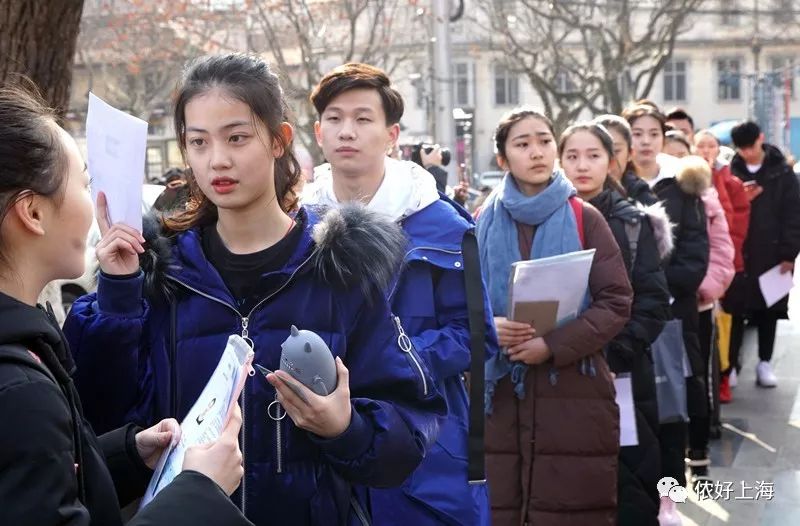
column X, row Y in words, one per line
column 236, row 261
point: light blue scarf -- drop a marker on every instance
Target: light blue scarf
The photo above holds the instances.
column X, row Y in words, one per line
column 556, row 233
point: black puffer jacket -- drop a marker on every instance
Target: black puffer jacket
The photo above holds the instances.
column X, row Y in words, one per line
column 638, row 190
column 629, row 352
column 53, row 469
column 686, row 269
column 650, row 308
column 774, row 233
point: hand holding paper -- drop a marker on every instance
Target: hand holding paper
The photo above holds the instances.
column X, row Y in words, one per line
column 213, row 423
column 152, row 442
column 539, row 285
column 510, row 333
column 221, row 461
column 532, row 352
column 119, row 246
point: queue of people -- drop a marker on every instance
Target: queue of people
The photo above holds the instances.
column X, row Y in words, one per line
column 374, row 258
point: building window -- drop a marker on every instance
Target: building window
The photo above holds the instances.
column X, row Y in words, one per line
column 729, row 79
column 674, row 80
column 563, row 82
column 781, row 66
column 155, row 163
column 782, row 11
column 506, row 86
column 462, row 84
column 730, row 10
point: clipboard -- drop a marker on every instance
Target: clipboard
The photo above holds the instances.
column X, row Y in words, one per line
column 541, row 315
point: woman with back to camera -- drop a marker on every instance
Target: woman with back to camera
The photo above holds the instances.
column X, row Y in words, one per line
column 644, row 238
column 237, row 262
column 552, row 427
column 53, row 470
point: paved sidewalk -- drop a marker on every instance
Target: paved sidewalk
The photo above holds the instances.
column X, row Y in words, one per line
column 760, row 443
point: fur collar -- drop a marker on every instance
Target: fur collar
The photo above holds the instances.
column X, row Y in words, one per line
column 614, row 205
column 350, row 247
column 693, row 182
column 662, row 228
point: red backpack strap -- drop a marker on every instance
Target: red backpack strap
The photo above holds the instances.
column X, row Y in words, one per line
column 577, row 208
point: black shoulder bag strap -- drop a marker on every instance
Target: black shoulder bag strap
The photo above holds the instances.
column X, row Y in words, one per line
column 477, row 332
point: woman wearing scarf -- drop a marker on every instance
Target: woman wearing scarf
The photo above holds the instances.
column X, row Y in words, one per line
column 552, row 427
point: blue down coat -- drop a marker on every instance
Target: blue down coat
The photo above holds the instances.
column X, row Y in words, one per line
column 141, row 357
column 430, row 300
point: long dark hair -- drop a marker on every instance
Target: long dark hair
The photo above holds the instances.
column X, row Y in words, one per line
column 32, row 156
column 249, row 79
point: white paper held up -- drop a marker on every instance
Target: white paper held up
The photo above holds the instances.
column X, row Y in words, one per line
column 628, row 435
column 208, row 416
column 774, row 285
column 116, row 144
column 563, row 278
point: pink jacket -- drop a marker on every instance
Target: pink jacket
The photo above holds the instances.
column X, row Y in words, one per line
column 720, row 262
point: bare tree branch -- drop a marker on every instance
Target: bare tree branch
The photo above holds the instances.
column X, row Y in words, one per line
column 604, row 53
column 304, row 38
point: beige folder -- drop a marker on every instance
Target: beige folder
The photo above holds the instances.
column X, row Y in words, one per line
column 541, row 315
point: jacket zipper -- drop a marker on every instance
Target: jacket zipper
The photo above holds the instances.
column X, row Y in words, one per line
column 245, row 321
column 173, row 357
column 278, row 439
column 360, row 513
column 433, row 249
column 404, row 342
column 245, row 337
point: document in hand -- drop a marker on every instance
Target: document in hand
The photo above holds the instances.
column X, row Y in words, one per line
column 775, row 285
column 209, row 414
column 628, row 434
column 535, row 284
column 116, row 144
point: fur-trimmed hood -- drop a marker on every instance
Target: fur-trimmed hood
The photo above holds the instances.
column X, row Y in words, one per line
column 693, row 182
column 662, row 228
column 611, row 204
column 690, row 181
column 346, row 247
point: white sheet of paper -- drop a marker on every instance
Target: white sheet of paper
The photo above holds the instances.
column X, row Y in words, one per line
column 563, row 278
column 116, row 145
column 774, row 285
column 209, row 414
column 628, row 436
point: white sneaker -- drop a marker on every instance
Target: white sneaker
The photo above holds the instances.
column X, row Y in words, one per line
column 765, row 376
column 732, row 379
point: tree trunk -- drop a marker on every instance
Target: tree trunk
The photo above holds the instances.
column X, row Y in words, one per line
column 37, row 39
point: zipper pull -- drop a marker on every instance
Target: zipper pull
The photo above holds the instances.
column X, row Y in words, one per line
column 246, row 333
column 403, row 341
